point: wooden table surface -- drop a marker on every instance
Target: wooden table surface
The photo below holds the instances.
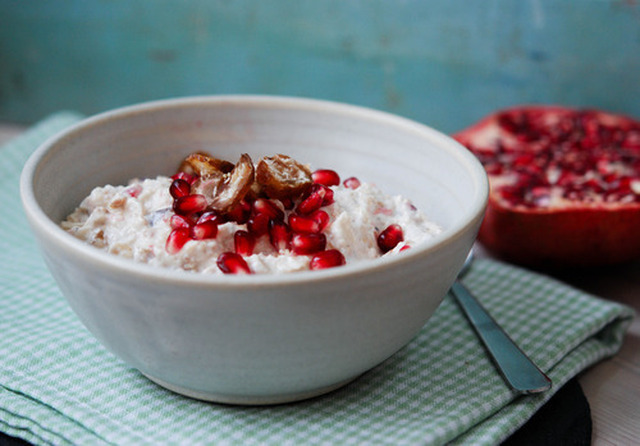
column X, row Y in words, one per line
column 612, row 387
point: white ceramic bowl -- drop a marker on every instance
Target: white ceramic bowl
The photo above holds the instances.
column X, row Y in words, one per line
column 263, row 338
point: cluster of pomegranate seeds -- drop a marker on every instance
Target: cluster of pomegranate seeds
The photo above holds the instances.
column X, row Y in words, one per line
column 293, row 224
column 192, row 219
column 575, row 155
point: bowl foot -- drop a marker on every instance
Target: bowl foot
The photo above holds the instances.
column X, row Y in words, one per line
column 248, row 400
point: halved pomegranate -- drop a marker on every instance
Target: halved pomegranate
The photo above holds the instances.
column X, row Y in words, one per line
column 565, row 185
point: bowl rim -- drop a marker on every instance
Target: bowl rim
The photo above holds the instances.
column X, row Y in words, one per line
column 40, row 221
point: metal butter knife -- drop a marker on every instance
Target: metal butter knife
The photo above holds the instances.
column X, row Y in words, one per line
column 520, row 373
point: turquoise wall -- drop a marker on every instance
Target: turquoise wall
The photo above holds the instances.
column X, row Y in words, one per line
column 442, row 62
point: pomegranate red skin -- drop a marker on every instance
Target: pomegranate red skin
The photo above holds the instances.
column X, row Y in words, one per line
column 562, row 239
column 573, row 237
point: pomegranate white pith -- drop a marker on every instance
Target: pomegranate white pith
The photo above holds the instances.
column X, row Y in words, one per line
column 565, row 185
column 167, row 224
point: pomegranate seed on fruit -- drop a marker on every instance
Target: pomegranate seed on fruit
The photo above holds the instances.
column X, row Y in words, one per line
column 258, row 224
column 244, row 242
column 351, row 183
column 177, row 239
column 240, row 213
column 304, row 224
column 185, row 176
column 189, row 204
column 232, row 263
column 390, row 237
column 326, row 177
column 558, row 176
column 179, row 221
column 327, row 259
column 179, row 188
column 267, row 207
column 280, row 235
column 303, row 244
column 206, row 230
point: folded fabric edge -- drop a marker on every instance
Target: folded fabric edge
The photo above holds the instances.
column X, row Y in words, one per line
column 591, row 351
column 22, row 421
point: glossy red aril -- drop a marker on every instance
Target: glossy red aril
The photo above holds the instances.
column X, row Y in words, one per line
column 211, row 216
column 177, row 239
column 351, row 183
column 326, row 259
column 303, row 244
column 267, row 207
column 279, row 235
column 232, row 263
column 258, row 224
column 390, row 237
column 179, row 188
column 208, row 229
column 321, row 217
column 185, row 176
column 565, row 185
column 179, row 221
column 317, row 197
column 244, row 242
column 240, row 213
column 189, row 204
column 326, row 177
column 304, row 224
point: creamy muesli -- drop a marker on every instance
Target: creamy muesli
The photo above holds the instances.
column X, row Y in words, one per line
column 275, row 216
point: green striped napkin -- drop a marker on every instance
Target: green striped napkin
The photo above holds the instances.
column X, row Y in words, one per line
column 59, row 386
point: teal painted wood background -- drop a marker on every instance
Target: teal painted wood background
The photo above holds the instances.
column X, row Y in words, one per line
column 442, row 62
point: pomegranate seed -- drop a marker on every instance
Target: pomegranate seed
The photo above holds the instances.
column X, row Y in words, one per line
column 232, row 263
column 179, row 188
column 317, row 197
column 310, row 204
column 258, row 224
column 176, row 240
column 280, row 235
column 328, row 197
column 303, row 244
column 304, row 224
column 267, row 207
column 240, row 213
column 189, row 204
column 326, row 177
column 351, row 183
column 179, row 221
column 211, row 216
column 390, row 237
column 185, row 176
column 287, row 203
column 244, row 242
column 321, row 217
column 327, row 259
column 206, row 230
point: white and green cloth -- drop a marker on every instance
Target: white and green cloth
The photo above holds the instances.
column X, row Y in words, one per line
column 58, row 385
